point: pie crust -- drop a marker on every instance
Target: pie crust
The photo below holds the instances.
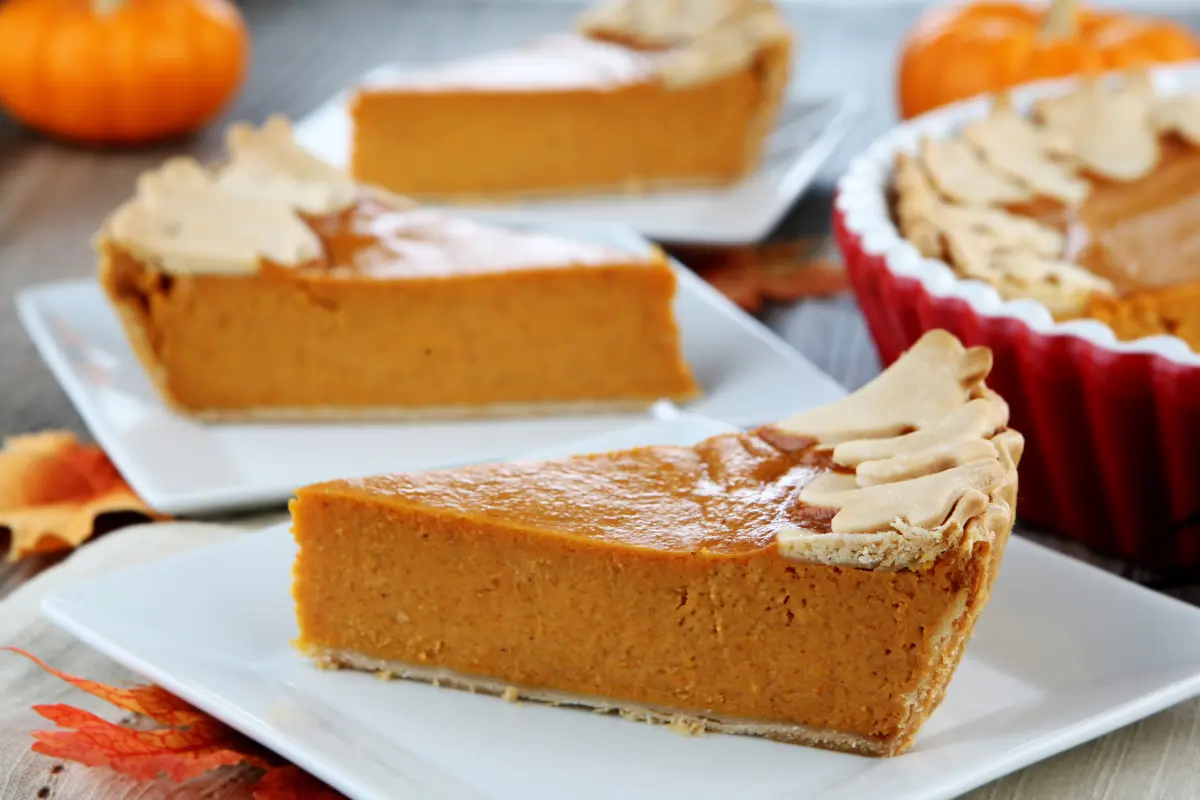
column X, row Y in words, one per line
column 931, row 457
column 701, row 39
column 963, row 199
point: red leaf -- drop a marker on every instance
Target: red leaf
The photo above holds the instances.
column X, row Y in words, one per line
column 144, row 755
column 150, row 701
column 190, row 743
column 750, row 275
column 292, row 783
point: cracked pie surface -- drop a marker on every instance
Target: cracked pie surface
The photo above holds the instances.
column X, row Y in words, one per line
column 812, row 581
column 273, row 286
column 623, row 102
column 1088, row 204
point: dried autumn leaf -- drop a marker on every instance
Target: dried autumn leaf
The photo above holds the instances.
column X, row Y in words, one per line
column 52, row 490
column 190, row 743
column 150, row 701
column 292, row 783
column 178, row 753
column 707, row 257
column 782, row 271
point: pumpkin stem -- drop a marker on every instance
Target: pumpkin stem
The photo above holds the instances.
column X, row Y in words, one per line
column 102, row 8
column 1061, row 19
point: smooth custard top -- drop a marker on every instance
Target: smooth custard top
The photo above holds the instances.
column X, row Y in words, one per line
column 729, row 494
column 376, row 239
column 272, row 203
column 562, row 61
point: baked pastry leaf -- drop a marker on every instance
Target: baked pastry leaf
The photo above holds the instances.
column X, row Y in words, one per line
column 700, row 39
column 923, row 456
column 189, row 218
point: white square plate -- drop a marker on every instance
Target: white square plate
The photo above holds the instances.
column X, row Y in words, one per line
column 808, row 132
column 180, row 466
column 1063, row 653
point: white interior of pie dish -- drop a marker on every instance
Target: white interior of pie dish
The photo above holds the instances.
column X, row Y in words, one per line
column 863, row 200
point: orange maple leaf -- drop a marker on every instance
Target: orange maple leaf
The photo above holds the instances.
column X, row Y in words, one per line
column 54, row 488
column 150, row 701
column 190, row 743
column 178, row 753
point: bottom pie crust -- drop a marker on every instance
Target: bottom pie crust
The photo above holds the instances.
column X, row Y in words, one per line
column 628, row 188
column 423, row 414
column 689, row 723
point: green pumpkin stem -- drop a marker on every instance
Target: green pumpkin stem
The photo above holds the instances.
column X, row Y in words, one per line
column 103, row 8
column 1062, row 19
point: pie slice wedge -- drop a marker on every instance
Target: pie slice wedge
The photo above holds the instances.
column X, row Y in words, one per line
column 271, row 286
column 812, row 581
column 643, row 94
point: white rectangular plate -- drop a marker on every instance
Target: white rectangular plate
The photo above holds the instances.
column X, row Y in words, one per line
column 180, row 466
column 1063, row 653
column 808, row 133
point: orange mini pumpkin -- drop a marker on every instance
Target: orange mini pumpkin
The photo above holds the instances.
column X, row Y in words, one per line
column 119, row 71
column 961, row 51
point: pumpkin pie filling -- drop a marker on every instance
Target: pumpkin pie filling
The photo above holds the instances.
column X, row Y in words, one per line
column 1137, row 235
column 812, row 581
column 1089, row 205
column 273, row 286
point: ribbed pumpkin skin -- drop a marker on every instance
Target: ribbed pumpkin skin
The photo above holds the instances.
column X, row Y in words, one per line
column 121, row 71
column 955, row 52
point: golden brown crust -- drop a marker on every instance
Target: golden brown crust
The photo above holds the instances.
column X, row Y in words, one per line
column 421, row 414
column 925, row 455
column 134, row 320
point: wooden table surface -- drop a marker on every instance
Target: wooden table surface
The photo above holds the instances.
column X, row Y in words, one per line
column 53, row 196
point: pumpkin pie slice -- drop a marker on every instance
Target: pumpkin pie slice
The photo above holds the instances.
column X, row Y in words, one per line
column 642, row 94
column 1090, row 204
column 272, row 286
column 813, row 581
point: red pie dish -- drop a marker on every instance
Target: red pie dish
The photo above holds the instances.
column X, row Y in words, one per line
column 1112, row 416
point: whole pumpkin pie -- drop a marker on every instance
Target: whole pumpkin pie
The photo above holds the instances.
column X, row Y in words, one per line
column 273, row 286
column 644, row 93
column 812, row 581
column 1089, row 204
